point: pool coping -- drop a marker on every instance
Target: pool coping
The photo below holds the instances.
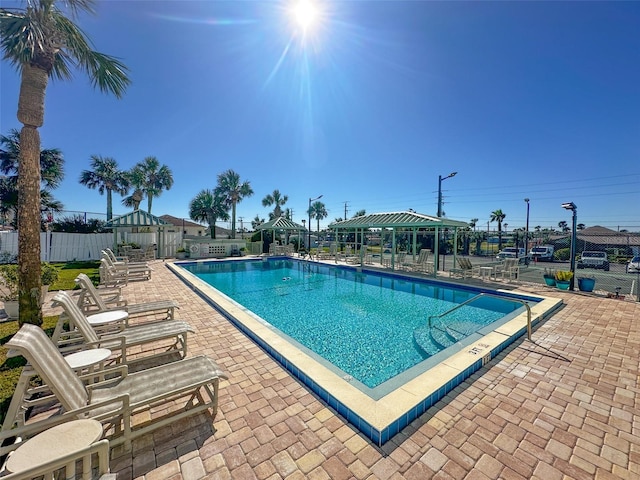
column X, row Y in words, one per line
column 379, row 419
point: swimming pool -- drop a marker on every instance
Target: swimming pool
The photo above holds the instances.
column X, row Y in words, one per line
column 322, row 311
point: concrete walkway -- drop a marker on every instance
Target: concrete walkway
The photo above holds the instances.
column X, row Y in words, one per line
column 566, row 405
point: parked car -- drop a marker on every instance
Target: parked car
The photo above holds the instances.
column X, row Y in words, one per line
column 594, row 259
column 634, row 265
column 510, row 252
column 542, row 253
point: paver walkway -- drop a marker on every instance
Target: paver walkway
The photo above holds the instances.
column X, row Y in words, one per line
column 565, row 406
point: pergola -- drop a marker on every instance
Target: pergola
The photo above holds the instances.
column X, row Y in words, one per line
column 136, row 219
column 280, row 224
column 401, row 221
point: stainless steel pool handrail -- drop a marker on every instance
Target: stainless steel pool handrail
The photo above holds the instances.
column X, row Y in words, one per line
column 466, row 302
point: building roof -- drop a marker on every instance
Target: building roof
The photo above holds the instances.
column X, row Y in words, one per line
column 179, row 222
column 397, row 219
column 137, row 218
column 606, row 236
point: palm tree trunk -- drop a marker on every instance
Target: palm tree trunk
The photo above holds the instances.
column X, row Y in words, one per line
column 31, row 114
column 149, row 202
column 109, row 205
column 233, row 220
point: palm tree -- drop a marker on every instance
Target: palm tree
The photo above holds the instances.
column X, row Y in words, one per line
column 105, row 176
column 51, row 168
column 155, row 178
column 135, row 177
column 41, row 42
column 360, row 213
column 209, row 206
column 498, row 216
column 277, row 199
column 230, row 187
column 318, row 211
column 256, row 222
column 472, row 223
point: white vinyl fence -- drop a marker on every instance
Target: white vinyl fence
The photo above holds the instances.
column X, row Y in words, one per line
column 66, row 247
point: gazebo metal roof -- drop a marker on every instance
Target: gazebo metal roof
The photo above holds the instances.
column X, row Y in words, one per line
column 397, row 220
column 137, row 218
column 280, row 223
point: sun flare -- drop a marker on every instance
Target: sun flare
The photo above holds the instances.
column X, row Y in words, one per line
column 305, row 14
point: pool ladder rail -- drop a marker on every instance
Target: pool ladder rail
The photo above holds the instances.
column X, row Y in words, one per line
column 466, row 302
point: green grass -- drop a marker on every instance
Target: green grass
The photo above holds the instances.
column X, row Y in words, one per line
column 70, row 270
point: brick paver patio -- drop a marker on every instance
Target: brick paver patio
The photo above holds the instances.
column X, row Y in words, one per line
column 566, row 405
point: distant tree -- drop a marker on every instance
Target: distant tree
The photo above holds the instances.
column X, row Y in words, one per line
column 105, row 176
column 41, row 42
column 52, row 174
column 472, row 223
column 277, row 199
column 319, row 212
column 76, row 224
column 498, row 216
column 256, row 222
column 360, row 213
column 288, row 214
column 581, row 226
column 338, row 219
column 155, row 178
column 209, row 206
column 564, row 228
column 230, row 186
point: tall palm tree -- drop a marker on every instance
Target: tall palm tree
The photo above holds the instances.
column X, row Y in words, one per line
column 41, row 42
column 209, row 206
column 472, row 223
column 230, row 187
column 563, row 226
column 51, row 167
column 256, row 222
column 277, row 199
column 318, row 211
column 105, row 176
column 498, row 216
column 156, row 178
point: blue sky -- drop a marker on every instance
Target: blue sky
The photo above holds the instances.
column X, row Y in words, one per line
column 522, row 99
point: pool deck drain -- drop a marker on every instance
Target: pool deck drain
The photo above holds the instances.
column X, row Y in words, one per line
column 563, row 406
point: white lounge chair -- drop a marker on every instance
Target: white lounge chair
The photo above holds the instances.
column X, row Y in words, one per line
column 193, row 382
column 90, row 301
column 141, row 269
column 172, row 333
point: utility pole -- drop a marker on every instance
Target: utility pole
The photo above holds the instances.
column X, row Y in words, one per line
column 241, row 227
column 345, row 210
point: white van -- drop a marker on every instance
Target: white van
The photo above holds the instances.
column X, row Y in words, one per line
column 542, row 253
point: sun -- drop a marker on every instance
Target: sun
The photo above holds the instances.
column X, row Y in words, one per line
column 305, row 14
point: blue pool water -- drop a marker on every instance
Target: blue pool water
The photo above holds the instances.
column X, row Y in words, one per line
column 370, row 325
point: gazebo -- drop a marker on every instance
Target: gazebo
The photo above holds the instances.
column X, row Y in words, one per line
column 137, row 219
column 400, row 221
column 280, row 224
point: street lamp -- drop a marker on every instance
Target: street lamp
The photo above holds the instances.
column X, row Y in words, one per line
column 440, row 179
column 572, row 206
column 309, row 212
column 526, row 236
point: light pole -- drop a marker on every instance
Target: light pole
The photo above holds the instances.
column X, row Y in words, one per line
column 572, row 206
column 440, row 179
column 309, row 212
column 526, row 236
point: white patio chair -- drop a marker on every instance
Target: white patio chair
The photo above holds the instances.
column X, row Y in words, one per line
column 190, row 383
column 90, row 301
